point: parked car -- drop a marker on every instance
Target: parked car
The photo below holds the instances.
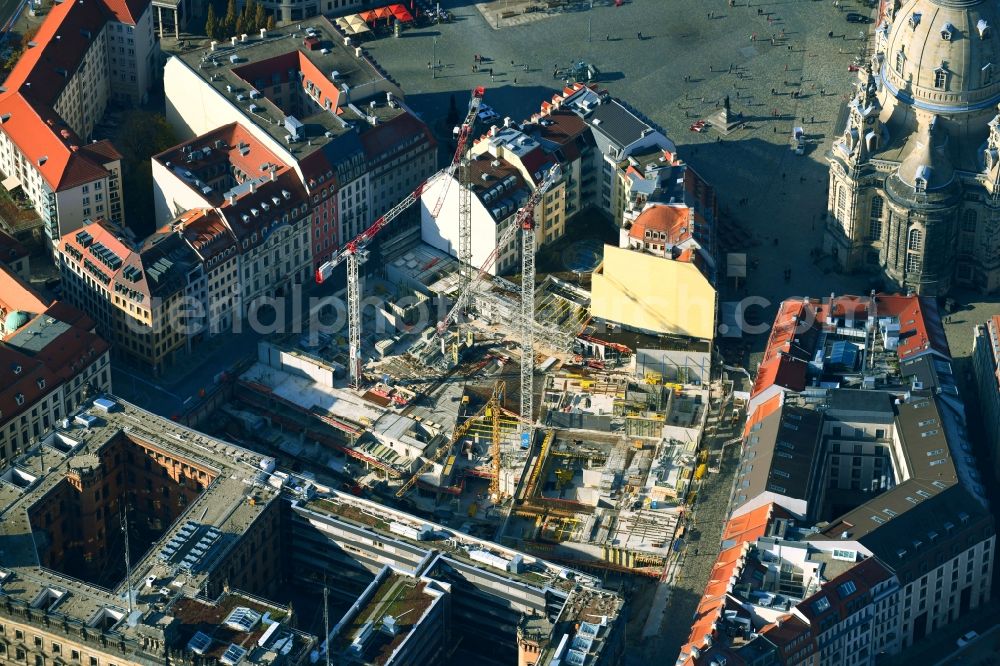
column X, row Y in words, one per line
column 854, row 17
column 967, row 638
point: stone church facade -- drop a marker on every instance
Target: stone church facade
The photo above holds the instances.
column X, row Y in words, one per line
column 914, row 190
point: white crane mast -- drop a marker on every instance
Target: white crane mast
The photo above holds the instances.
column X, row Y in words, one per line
column 356, row 253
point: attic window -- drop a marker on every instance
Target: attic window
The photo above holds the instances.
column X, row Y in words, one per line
column 42, row 160
column 940, row 78
column 19, row 399
column 915, row 19
column 947, row 32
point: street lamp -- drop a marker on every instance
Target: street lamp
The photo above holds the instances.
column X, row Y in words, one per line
column 434, row 44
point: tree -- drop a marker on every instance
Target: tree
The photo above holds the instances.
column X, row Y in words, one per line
column 211, row 23
column 259, row 18
column 28, row 35
column 229, row 24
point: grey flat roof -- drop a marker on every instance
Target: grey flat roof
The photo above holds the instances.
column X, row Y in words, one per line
column 358, row 75
column 34, row 337
column 617, row 123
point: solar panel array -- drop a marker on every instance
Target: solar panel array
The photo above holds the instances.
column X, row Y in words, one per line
column 233, row 655
column 190, row 545
column 199, row 643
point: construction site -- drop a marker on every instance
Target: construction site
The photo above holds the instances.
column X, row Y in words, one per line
column 497, row 407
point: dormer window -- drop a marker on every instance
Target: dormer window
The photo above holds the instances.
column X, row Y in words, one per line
column 983, row 28
column 940, row 78
column 19, row 399
column 947, row 32
column 914, row 19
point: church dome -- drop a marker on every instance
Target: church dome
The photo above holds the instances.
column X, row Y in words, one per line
column 943, row 56
column 15, row 319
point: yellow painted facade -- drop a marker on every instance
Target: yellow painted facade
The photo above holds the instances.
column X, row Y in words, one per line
column 651, row 293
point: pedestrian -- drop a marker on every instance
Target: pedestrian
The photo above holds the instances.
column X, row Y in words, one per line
column 638, row 36
column 525, row 67
column 775, row 129
column 492, row 78
column 786, row 66
column 511, row 62
column 473, row 69
column 428, row 64
column 608, row 38
column 812, row 119
column 491, row 71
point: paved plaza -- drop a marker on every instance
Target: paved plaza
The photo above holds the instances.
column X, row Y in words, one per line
column 679, row 72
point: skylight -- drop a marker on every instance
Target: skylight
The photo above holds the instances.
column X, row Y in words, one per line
column 242, row 619
column 821, row 605
column 846, row 589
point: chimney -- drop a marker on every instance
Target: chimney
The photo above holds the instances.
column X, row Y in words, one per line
column 233, row 40
column 243, row 37
column 274, row 173
column 263, row 33
column 231, row 198
column 213, row 45
column 253, row 186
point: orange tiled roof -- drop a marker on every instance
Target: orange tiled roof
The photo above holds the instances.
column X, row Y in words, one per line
column 920, row 328
column 16, row 294
column 674, row 221
column 38, row 78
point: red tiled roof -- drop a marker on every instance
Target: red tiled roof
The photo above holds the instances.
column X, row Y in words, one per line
column 59, row 361
column 791, row 629
column 765, row 409
column 790, row 346
column 674, row 221
column 16, row 294
column 206, row 232
column 127, row 11
column 920, row 327
column 864, row 576
column 38, row 78
column 238, row 148
column 38, row 133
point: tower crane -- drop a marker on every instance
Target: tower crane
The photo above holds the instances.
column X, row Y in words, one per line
column 525, row 223
column 493, row 410
column 356, row 253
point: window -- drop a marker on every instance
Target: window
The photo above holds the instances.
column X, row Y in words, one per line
column 900, row 60
column 912, row 263
column 940, row 78
column 969, row 221
column 914, row 240
column 875, row 218
column 841, row 198
column 987, row 74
